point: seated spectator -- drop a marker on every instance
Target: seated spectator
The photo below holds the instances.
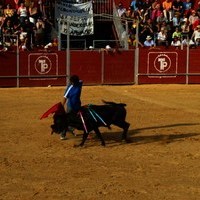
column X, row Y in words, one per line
column 22, row 35
column 2, row 18
column 177, row 7
column 167, row 27
column 149, row 42
column 185, row 27
column 176, row 42
column 121, row 10
column 128, row 13
column 8, row 31
column 156, row 10
column 16, row 4
column 192, row 19
column 22, row 12
column 9, row 12
column 167, row 9
column 147, row 29
column 162, row 37
column 27, row 3
column 187, row 7
column 188, row 42
column 160, row 19
column 23, row 45
column 176, row 33
column 196, row 23
column 176, row 20
column 196, row 36
column 133, row 42
column 147, row 9
column 134, row 6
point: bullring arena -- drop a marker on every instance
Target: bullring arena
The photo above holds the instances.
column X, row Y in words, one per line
column 161, row 161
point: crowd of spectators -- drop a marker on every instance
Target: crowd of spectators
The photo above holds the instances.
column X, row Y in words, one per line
column 162, row 22
column 27, row 25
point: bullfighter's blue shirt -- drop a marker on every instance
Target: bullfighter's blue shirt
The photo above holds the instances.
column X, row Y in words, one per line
column 73, row 94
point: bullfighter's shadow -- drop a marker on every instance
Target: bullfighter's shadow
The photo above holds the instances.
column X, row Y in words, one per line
column 114, row 138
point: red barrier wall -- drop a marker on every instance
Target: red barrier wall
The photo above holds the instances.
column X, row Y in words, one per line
column 8, row 67
column 194, row 60
column 42, row 68
column 162, row 66
column 99, row 67
column 119, row 67
column 88, row 65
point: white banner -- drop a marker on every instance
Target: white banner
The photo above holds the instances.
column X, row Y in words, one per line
column 79, row 16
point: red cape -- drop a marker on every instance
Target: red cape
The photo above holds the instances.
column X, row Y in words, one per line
column 57, row 108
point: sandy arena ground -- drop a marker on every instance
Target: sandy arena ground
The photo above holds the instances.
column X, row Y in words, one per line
column 161, row 163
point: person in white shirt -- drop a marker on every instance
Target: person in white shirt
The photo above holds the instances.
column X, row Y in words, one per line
column 176, row 42
column 121, row 10
column 162, row 37
column 196, row 35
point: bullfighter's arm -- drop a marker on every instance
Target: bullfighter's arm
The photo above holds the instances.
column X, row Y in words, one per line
column 64, row 102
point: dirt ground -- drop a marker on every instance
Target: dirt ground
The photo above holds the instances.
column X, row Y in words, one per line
column 162, row 162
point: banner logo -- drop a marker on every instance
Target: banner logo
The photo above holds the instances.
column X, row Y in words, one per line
column 43, row 65
column 162, row 63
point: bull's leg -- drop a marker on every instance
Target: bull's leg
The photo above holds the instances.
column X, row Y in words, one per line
column 85, row 135
column 98, row 133
column 125, row 128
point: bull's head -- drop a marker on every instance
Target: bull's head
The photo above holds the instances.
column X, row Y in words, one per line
column 59, row 123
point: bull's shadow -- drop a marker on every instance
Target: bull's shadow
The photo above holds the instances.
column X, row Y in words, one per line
column 114, row 138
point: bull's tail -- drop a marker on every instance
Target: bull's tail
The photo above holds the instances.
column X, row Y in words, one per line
column 113, row 103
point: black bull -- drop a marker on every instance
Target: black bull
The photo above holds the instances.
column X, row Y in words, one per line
column 91, row 117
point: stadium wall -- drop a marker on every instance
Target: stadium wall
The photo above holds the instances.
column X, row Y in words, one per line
column 151, row 66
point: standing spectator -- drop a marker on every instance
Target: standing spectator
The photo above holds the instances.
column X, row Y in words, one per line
column 47, row 31
column 39, row 32
column 167, row 9
column 30, row 38
column 185, row 28
column 22, row 13
column 149, row 42
column 33, row 13
column 177, row 6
